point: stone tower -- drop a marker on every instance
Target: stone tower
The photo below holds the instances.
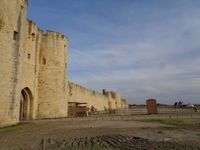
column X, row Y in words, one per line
column 13, row 16
column 53, row 73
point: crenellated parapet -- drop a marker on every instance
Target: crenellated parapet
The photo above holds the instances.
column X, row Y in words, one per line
column 32, row 27
column 115, row 100
column 25, row 2
column 55, row 35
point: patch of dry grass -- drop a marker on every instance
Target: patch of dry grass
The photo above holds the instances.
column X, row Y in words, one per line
column 15, row 127
column 176, row 123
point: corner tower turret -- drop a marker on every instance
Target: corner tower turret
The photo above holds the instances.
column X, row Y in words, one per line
column 53, row 78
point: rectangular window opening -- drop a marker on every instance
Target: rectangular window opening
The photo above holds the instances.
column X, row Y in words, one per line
column 15, row 35
column 44, row 61
column 29, row 55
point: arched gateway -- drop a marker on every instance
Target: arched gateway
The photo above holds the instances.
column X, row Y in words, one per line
column 26, row 105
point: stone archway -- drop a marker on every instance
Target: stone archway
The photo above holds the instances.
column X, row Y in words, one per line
column 26, row 105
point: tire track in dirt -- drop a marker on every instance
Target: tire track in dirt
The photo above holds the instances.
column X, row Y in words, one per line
column 114, row 142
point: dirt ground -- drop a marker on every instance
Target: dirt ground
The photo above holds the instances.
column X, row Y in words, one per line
column 43, row 134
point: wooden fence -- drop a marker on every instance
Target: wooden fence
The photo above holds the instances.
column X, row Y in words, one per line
column 139, row 114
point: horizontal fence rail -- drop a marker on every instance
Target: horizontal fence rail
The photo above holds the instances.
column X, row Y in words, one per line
column 141, row 113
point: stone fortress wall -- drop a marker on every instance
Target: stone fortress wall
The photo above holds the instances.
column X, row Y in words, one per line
column 106, row 100
column 13, row 19
column 34, row 71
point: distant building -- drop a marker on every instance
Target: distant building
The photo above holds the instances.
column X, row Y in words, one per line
column 151, row 106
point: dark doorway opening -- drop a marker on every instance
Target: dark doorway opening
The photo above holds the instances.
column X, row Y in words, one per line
column 26, row 105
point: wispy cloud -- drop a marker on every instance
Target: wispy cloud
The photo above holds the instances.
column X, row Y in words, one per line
column 140, row 48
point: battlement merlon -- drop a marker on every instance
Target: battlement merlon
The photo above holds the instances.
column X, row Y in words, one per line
column 24, row 2
column 111, row 94
column 33, row 27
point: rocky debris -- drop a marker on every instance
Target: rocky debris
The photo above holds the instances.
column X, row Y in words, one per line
column 112, row 142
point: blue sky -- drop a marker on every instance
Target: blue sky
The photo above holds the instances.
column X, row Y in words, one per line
column 140, row 48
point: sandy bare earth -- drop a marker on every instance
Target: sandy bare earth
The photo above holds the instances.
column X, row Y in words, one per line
column 64, row 133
